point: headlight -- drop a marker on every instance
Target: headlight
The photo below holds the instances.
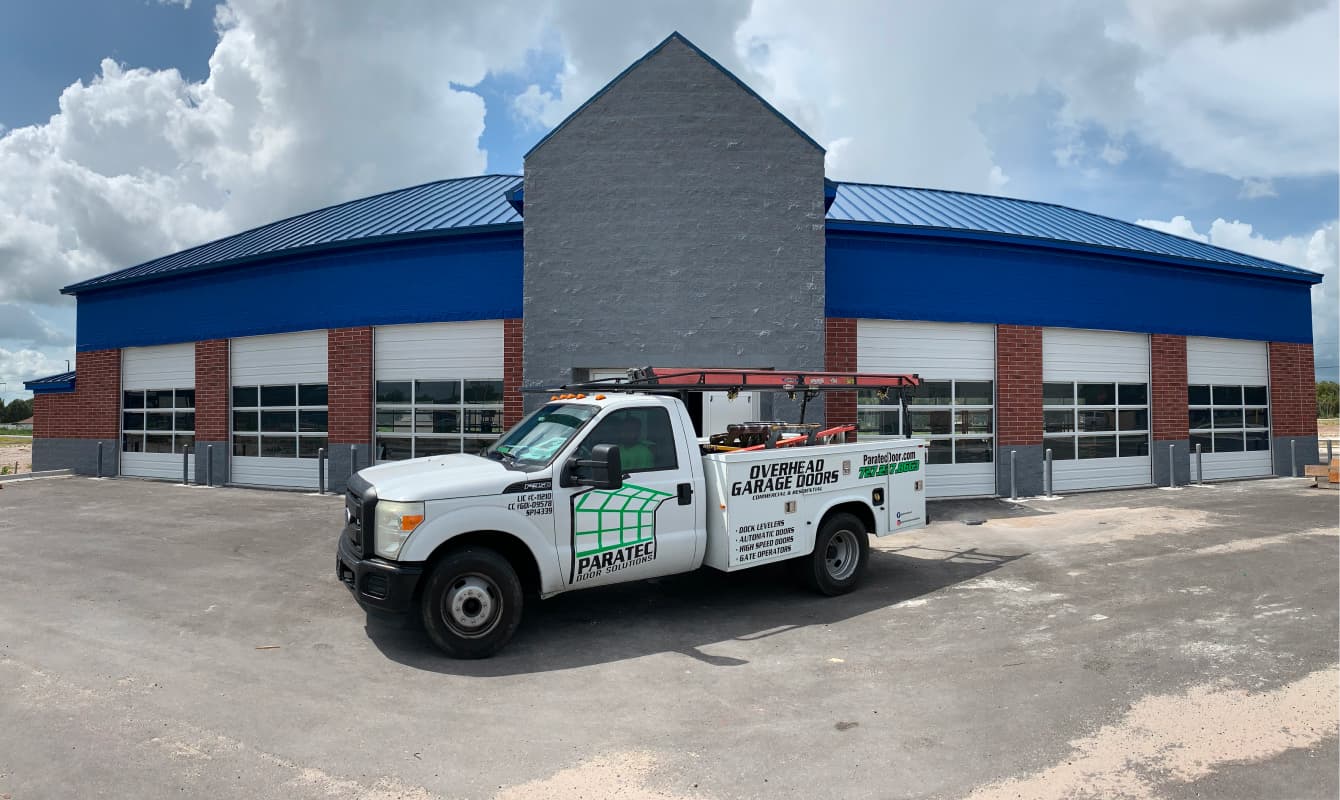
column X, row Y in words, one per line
column 394, row 523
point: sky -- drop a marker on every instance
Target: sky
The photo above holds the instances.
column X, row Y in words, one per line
column 130, row 129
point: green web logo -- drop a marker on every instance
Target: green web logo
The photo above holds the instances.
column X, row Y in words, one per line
column 604, row 521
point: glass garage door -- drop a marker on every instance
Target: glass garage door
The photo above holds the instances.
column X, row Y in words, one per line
column 954, row 409
column 1228, row 407
column 439, row 388
column 1095, row 408
column 279, row 414
column 157, row 410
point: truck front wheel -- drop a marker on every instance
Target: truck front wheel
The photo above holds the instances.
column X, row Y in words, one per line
column 472, row 603
column 840, row 553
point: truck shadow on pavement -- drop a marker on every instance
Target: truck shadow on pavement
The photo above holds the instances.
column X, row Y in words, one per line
column 685, row 613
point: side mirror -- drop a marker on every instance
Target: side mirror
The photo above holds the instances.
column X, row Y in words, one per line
column 603, row 470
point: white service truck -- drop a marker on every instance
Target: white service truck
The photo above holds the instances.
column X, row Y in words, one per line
column 612, row 484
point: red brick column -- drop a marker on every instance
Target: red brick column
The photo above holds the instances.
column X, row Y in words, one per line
column 840, row 356
column 512, row 371
column 349, row 370
column 211, row 391
column 1293, row 391
column 92, row 410
column 1168, row 400
column 1018, row 384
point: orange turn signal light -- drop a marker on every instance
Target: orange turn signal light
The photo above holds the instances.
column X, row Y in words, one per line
column 410, row 521
column 600, row 397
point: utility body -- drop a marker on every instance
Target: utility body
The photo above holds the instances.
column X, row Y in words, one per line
column 599, row 488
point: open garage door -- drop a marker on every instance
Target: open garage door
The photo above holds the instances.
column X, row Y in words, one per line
column 439, row 388
column 1095, row 401
column 954, row 409
column 279, row 412
column 157, row 410
column 1229, row 406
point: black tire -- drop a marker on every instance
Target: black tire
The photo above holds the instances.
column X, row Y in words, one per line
column 472, row 603
column 841, row 551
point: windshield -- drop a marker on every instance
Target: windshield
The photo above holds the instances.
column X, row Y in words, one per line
column 538, row 438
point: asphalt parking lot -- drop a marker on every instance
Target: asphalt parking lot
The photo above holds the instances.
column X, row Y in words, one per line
column 1142, row 644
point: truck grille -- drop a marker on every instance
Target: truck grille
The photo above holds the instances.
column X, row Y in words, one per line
column 360, row 501
column 353, row 527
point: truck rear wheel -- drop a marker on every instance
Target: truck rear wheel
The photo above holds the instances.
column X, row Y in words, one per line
column 840, row 553
column 471, row 604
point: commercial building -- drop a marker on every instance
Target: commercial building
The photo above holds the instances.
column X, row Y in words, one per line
column 676, row 219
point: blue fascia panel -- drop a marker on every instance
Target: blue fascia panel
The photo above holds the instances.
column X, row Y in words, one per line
column 963, row 280
column 51, row 388
column 442, row 280
column 1284, row 272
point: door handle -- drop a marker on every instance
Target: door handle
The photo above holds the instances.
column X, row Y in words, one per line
column 685, row 493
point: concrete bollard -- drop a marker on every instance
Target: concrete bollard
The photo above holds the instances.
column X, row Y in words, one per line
column 1014, row 494
column 186, row 465
column 1293, row 458
column 209, row 465
column 1172, row 467
column 1200, row 466
column 99, row 469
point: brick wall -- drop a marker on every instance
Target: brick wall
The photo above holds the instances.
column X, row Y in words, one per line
column 349, row 356
column 92, row 410
column 211, row 390
column 840, row 356
column 1167, row 368
column 1293, row 391
column 512, row 371
column 1018, row 384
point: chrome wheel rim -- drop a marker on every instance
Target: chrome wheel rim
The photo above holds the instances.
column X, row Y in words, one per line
column 472, row 606
column 841, row 555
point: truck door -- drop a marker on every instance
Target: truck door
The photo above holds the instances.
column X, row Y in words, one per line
column 648, row 527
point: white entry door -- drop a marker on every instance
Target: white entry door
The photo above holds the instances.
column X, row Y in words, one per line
column 157, row 411
column 279, row 415
column 1228, row 399
column 954, row 410
column 1095, row 401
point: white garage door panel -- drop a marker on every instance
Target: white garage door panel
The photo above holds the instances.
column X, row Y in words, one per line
column 935, row 351
column 1098, row 356
column 292, row 473
column 281, row 358
column 167, row 367
column 1219, row 466
column 929, row 349
column 445, row 349
column 960, row 480
column 166, row 466
column 1100, row 473
column 1227, row 361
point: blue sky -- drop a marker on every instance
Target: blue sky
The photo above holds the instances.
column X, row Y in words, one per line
column 134, row 128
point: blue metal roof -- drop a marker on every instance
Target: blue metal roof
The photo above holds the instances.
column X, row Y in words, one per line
column 51, row 384
column 938, row 210
column 460, row 205
column 493, row 203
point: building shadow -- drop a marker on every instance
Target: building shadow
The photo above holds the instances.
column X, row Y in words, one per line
column 685, row 613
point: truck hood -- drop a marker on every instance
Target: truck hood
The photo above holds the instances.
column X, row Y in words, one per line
column 440, row 478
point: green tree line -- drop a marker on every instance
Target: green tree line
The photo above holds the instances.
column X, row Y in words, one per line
column 16, row 411
column 1328, row 404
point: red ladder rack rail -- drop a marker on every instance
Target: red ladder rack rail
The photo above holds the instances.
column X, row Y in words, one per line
column 653, row 379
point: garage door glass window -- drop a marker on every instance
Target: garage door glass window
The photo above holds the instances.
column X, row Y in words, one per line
column 287, row 420
column 954, row 417
column 433, row 417
column 1095, row 420
column 157, row 420
column 1229, row 419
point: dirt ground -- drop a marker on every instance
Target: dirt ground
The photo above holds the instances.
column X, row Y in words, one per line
column 11, row 453
column 1328, row 428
